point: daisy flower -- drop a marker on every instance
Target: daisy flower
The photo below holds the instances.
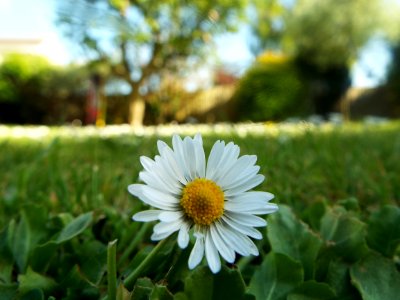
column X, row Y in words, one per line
column 212, row 199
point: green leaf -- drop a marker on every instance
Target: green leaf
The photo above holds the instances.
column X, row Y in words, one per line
column 142, row 289
column 277, row 276
column 160, row 292
column 376, row 278
column 37, row 217
column 201, row 284
column 338, row 277
column 290, row 236
column 92, row 257
column 314, row 213
column 32, row 281
column 6, row 258
column 8, row 291
column 19, row 236
column 35, row 294
column 75, row 227
column 312, row 290
column 350, row 204
column 344, row 234
column 384, row 230
column 92, row 260
column 78, row 285
column 42, row 255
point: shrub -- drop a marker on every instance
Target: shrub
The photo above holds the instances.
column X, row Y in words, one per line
column 34, row 91
column 271, row 90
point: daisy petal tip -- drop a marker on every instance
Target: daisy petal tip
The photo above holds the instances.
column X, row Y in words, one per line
column 183, row 237
column 215, row 268
column 193, row 263
column 273, row 207
column 183, row 244
column 134, row 189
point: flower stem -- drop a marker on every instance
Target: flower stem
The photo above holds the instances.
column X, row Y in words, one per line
column 134, row 243
column 112, row 270
column 130, row 280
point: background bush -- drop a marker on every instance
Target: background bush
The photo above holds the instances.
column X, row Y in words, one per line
column 32, row 91
column 271, row 90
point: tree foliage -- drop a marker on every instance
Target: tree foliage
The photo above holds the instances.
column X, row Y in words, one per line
column 330, row 33
column 324, row 33
column 140, row 39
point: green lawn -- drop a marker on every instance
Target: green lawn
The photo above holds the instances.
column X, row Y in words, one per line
column 345, row 174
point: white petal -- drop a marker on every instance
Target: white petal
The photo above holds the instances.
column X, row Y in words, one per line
column 214, row 158
column 135, row 189
column 170, row 216
column 163, row 172
column 179, row 154
column 227, row 253
column 157, row 182
column 168, row 226
column 200, row 156
column 241, row 242
column 197, row 253
column 253, row 196
column 146, row 215
column 232, row 239
column 143, row 192
column 267, row 209
column 246, row 219
column 173, row 166
column 255, row 208
column 161, row 145
column 160, row 236
column 183, row 235
column 247, row 230
column 244, row 206
column 248, row 185
column 147, row 163
column 241, row 177
column 253, row 202
column 190, row 157
column 236, row 170
column 159, row 198
column 212, row 254
column 227, row 160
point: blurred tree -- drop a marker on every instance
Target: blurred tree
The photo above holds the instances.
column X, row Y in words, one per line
column 139, row 39
column 266, row 23
column 324, row 37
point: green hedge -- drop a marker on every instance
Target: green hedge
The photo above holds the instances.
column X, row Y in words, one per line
column 271, row 91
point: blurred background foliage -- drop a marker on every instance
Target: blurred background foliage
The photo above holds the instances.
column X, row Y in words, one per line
column 279, row 97
column 143, row 53
column 34, row 91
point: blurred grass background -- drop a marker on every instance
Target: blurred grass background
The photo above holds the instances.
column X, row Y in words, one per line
column 70, row 174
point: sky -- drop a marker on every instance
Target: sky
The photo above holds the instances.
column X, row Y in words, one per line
column 35, row 19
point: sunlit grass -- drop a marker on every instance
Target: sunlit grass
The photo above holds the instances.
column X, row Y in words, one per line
column 80, row 169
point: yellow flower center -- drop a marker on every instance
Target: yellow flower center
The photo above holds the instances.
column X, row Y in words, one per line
column 203, row 201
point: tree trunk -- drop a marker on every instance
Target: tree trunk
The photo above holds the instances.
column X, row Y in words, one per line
column 136, row 109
